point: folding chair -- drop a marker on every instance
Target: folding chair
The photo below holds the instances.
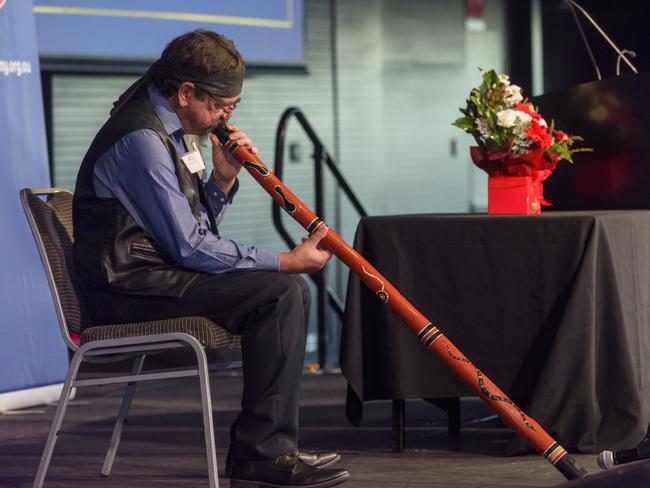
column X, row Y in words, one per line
column 51, row 223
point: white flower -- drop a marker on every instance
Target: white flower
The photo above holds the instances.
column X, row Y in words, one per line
column 520, row 146
column 542, row 122
column 484, row 128
column 513, row 94
column 519, row 131
column 505, row 79
column 520, row 143
column 511, row 118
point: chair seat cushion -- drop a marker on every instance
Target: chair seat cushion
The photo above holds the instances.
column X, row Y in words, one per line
column 206, row 331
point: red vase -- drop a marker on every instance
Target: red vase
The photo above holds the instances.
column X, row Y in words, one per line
column 514, row 195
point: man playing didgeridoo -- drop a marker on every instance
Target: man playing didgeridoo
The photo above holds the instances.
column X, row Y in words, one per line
column 147, row 248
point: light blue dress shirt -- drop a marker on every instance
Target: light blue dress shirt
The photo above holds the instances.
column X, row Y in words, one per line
column 139, row 172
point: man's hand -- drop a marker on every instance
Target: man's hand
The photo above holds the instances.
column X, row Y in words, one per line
column 226, row 167
column 307, row 257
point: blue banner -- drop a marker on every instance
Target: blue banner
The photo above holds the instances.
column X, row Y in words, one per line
column 32, row 352
column 265, row 31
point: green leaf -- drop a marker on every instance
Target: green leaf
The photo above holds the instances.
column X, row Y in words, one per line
column 561, row 150
column 465, row 123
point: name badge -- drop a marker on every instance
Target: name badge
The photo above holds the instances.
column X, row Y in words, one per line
column 194, row 161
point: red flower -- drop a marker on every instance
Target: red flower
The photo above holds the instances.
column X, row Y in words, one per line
column 561, row 136
column 539, row 135
column 526, row 108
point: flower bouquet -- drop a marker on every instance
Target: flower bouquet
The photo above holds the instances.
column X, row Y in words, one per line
column 516, row 147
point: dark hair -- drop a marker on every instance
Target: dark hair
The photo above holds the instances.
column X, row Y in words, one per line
column 202, row 52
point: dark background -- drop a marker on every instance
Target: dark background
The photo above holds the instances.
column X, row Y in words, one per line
column 566, row 61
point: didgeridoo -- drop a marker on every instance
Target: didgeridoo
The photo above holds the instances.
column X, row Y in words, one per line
column 432, row 338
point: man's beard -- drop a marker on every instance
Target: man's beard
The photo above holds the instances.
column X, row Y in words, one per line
column 203, row 137
column 193, row 141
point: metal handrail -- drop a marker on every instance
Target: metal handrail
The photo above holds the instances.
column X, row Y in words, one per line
column 321, row 156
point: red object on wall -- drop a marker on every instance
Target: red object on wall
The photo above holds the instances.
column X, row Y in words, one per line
column 474, row 9
column 514, row 195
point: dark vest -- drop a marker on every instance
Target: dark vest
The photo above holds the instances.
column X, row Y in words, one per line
column 111, row 251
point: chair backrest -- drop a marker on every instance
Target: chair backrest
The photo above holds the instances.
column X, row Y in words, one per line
column 51, row 223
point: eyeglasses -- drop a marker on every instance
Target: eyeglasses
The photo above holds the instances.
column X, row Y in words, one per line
column 220, row 105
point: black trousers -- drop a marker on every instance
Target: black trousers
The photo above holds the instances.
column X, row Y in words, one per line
column 270, row 310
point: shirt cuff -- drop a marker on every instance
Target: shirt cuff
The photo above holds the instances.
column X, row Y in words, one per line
column 217, row 197
column 266, row 260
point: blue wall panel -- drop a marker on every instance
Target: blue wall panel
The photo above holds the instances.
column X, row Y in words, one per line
column 32, row 352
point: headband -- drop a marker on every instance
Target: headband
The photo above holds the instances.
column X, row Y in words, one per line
column 225, row 84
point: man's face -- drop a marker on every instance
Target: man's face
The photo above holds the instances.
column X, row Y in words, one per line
column 199, row 112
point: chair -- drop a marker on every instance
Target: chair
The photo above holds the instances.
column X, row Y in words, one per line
column 51, row 223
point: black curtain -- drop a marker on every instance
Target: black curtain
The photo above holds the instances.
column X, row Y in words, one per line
column 566, row 61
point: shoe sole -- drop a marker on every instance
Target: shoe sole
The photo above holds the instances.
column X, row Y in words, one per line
column 334, row 460
column 260, row 484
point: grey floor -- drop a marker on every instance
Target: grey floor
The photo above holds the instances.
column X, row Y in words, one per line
column 163, row 443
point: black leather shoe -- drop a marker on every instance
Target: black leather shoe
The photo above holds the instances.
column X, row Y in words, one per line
column 319, row 459
column 313, row 458
column 285, row 471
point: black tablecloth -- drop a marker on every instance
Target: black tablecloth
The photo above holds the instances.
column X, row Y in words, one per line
column 554, row 308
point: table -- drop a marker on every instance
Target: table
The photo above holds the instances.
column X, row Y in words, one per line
column 554, row 308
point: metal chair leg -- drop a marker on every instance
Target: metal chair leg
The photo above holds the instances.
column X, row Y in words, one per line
column 121, row 418
column 208, row 426
column 58, row 419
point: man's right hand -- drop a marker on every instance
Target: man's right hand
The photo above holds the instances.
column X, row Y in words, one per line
column 308, row 256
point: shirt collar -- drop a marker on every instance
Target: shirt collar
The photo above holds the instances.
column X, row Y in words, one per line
column 164, row 110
